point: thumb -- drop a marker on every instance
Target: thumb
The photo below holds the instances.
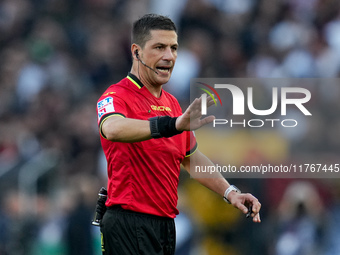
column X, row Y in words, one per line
column 208, row 120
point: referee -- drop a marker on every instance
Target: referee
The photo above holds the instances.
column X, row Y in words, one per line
column 145, row 138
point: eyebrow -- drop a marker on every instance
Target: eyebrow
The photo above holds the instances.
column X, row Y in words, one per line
column 164, row 45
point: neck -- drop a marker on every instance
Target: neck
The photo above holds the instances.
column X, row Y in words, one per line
column 144, row 77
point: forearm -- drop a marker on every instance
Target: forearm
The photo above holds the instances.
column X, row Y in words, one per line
column 118, row 129
column 213, row 181
column 218, row 184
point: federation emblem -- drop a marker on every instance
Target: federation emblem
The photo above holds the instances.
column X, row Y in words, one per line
column 105, row 106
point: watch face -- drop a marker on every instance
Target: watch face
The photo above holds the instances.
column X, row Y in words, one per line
column 235, row 188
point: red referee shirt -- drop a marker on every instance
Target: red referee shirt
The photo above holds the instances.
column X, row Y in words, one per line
column 143, row 176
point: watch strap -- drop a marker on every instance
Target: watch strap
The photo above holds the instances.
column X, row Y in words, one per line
column 228, row 190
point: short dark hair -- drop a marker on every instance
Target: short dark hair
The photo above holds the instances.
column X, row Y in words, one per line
column 141, row 27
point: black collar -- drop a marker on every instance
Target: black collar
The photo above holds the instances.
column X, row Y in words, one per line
column 135, row 80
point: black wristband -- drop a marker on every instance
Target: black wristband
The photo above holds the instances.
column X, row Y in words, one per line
column 163, row 126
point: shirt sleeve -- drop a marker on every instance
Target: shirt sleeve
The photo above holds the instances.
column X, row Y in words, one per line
column 191, row 143
column 108, row 105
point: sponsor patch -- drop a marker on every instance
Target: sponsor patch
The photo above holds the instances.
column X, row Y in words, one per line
column 105, row 106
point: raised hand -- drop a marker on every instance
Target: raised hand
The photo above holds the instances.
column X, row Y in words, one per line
column 192, row 119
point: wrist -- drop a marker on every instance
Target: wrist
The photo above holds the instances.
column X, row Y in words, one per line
column 176, row 125
column 163, row 126
column 230, row 189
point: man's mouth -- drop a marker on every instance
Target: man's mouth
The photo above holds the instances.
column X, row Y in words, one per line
column 163, row 69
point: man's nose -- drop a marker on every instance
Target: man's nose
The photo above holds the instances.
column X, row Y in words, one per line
column 169, row 54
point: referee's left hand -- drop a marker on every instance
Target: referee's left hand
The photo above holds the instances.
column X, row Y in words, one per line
column 243, row 201
column 191, row 118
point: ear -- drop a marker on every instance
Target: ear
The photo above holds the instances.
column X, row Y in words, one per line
column 135, row 51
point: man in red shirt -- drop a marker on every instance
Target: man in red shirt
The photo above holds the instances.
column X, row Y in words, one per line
column 146, row 137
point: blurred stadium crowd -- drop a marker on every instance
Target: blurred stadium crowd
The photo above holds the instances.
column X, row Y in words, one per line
column 58, row 56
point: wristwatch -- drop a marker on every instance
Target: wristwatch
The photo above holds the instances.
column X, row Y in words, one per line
column 228, row 190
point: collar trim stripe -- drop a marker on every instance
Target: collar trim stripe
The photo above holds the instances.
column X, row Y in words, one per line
column 135, row 80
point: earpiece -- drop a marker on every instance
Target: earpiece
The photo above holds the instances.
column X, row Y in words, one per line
column 137, row 56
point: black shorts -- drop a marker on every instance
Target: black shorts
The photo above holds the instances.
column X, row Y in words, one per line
column 126, row 232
